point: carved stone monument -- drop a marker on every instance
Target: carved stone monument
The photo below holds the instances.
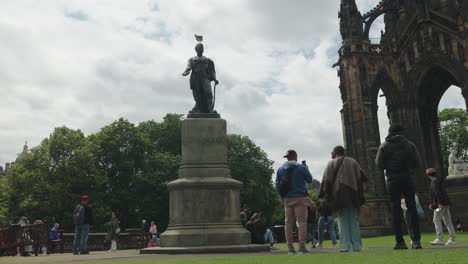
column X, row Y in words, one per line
column 457, row 166
column 204, row 207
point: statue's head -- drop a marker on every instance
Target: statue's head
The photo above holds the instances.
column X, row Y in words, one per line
column 199, row 49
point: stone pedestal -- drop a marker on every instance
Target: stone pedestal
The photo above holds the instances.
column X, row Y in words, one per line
column 457, row 190
column 204, row 210
column 375, row 217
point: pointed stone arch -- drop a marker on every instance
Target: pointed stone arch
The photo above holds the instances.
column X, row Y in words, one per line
column 418, row 42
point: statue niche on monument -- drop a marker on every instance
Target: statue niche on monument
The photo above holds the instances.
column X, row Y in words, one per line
column 457, row 166
column 203, row 73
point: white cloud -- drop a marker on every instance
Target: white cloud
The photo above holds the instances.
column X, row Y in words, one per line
column 86, row 63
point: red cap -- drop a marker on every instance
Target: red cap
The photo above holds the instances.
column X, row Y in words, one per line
column 290, row 153
column 84, row 198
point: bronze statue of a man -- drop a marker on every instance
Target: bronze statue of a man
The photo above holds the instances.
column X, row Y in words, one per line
column 203, row 73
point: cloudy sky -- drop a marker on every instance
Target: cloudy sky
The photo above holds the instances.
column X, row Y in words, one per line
column 85, row 63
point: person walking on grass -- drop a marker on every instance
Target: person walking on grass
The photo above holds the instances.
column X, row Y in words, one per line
column 291, row 180
column 441, row 205
column 399, row 158
column 343, row 189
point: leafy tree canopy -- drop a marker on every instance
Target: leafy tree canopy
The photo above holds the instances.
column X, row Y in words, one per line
column 124, row 168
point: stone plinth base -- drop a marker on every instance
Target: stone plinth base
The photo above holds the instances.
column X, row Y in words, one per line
column 205, row 250
column 375, row 217
column 204, row 206
column 457, row 189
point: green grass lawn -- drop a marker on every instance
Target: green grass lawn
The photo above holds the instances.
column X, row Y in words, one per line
column 389, row 241
column 376, row 251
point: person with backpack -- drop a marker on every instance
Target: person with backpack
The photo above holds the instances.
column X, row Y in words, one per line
column 291, row 179
column 342, row 188
column 82, row 218
column 114, row 231
column 399, row 158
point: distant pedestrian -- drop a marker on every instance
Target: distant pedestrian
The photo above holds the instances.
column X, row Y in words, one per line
column 399, row 158
column 312, row 223
column 153, row 230
column 82, row 217
column 325, row 220
column 245, row 215
column 259, row 233
column 24, row 221
column 144, row 225
column 441, row 205
column 291, row 180
column 54, row 234
column 342, row 188
column 113, row 231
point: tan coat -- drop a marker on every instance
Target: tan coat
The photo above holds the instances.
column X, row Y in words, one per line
column 347, row 190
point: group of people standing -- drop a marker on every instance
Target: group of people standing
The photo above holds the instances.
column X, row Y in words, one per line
column 342, row 191
column 83, row 218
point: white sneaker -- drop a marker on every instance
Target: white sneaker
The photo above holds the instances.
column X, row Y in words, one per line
column 450, row 242
column 437, row 242
column 320, row 246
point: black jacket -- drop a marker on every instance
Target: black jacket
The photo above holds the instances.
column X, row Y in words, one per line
column 398, row 157
column 311, row 215
column 324, row 210
column 257, row 231
column 438, row 193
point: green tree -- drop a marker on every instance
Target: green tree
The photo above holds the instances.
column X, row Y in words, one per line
column 118, row 154
column 250, row 165
column 453, row 132
column 161, row 164
column 4, row 202
column 46, row 182
column 125, row 168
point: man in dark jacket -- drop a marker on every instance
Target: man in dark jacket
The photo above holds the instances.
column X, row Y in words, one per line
column 295, row 200
column 441, row 205
column 82, row 217
column 399, row 158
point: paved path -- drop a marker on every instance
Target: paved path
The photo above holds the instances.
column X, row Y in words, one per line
column 123, row 255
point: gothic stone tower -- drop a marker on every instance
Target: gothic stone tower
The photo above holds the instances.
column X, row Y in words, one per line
column 423, row 51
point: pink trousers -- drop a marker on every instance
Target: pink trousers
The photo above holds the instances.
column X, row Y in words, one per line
column 295, row 209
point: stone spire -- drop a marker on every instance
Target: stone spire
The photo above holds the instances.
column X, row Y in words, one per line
column 351, row 26
column 25, row 148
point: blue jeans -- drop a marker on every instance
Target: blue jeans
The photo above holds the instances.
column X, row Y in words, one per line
column 269, row 237
column 81, row 238
column 311, row 232
column 350, row 233
column 330, row 228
